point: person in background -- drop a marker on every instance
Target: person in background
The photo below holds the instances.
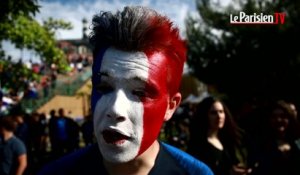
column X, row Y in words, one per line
column 279, row 149
column 13, row 156
column 22, row 130
column 53, row 134
column 138, row 62
column 64, row 134
column 87, row 130
column 215, row 138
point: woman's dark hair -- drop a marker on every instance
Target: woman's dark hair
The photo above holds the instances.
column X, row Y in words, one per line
column 229, row 135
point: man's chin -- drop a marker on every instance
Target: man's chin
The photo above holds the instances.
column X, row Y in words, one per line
column 118, row 158
column 119, row 153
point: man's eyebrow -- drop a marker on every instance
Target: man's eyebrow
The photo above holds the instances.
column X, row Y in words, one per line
column 140, row 79
column 149, row 83
column 106, row 74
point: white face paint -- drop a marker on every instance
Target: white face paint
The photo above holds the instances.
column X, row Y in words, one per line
column 118, row 115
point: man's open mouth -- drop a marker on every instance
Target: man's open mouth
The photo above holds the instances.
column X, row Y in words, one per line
column 114, row 137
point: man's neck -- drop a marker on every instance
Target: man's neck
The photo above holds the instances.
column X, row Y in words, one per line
column 139, row 166
column 212, row 133
column 7, row 135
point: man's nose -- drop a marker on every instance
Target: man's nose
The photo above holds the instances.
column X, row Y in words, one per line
column 119, row 107
column 116, row 117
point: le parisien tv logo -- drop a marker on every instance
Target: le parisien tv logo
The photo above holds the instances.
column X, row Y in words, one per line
column 243, row 18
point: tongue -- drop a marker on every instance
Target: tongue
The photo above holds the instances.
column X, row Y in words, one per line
column 113, row 137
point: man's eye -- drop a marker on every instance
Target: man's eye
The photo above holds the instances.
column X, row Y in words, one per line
column 103, row 89
column 139, row 93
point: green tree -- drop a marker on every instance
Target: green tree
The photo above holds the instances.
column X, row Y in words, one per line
column 9, row 9
column 18, row 26
column 15, row 76
column 246, row 61
column 28, row 33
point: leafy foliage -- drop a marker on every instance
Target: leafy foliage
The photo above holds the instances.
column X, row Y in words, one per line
column 16, row 75
column 52, row 25
column 24, row 31
column 246, row 61
column 10, row 9
column 17, row 25
column 27, row 33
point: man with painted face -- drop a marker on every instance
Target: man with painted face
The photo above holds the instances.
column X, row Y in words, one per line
column 138, row 63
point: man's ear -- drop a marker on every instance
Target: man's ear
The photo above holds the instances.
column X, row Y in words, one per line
column 172, row 105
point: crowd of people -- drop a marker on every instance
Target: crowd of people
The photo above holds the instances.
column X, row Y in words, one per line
column 24, row 80
column 262, row 140
column 42, row 138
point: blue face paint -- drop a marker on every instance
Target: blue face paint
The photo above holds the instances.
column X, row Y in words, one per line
column 96, row 78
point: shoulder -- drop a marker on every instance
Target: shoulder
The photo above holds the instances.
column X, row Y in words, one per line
column 189, row 163
column 16, row 140
column 84, row 161
column 18, row 145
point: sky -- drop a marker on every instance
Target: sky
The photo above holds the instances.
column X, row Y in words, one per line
column 75, row 10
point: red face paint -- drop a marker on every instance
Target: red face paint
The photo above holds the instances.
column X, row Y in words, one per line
column 154, row 107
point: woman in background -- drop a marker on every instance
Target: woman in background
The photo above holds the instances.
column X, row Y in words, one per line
column 215, row 138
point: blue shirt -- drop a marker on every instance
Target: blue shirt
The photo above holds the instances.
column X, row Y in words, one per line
column 169, row 161
column 10, row 150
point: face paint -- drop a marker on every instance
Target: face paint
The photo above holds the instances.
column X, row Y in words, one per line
column 95, row 78
column 131, row 104
column 118, row 113
column 155, row 106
